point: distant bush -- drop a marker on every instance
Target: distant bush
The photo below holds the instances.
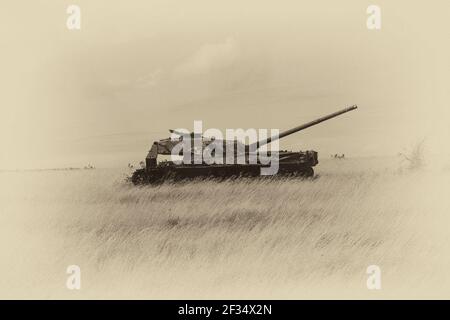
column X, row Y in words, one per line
column 415, row 158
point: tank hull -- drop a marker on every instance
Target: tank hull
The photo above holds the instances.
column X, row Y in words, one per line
column 301, row 167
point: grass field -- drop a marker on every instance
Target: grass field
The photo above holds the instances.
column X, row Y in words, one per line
column 236, row 239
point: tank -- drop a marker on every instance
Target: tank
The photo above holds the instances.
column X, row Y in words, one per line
column 247, row 161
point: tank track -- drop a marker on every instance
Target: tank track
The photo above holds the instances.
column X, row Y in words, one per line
column 160, row 175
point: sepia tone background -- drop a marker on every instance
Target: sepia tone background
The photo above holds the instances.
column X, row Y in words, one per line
column 103, row 94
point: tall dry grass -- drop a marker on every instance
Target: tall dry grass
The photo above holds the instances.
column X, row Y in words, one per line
column 283, row 238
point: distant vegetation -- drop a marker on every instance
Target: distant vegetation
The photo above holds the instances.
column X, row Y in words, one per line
column 415, row 157
column 89, row 166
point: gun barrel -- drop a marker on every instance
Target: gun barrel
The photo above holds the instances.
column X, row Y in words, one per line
column 306, row 125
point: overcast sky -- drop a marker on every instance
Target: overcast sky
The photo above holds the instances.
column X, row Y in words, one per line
column 104, row 93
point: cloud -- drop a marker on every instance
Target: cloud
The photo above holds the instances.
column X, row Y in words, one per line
column 210, row 57
column 135, row 82
column 149, row 80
